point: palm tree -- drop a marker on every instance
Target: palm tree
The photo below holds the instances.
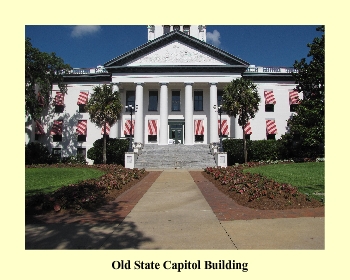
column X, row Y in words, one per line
column 104, row 107
column 241, row 98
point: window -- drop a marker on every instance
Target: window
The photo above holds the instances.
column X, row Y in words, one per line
column 219, row 97
column 175, row 101
column 247, row 136
column 166, row 29
column 187, row 29
column 293, row 107
column 269, row 107
column 198, row 130
column 130, row 98
column 198, row 100
column 56, row 152
column 152, row 130
column 82, row 130
column 271, row 137
column 81, row 152
column 82, row 100
column 56, row 131
column 59, row 102
column 153, row 101
column 177, row 27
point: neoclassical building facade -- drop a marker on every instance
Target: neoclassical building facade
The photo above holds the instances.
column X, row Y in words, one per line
column 175, row 82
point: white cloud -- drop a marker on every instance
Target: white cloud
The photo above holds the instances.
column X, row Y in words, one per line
column 82, row 30
column 214, row 38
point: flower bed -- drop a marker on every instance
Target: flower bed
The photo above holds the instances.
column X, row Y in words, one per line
column 256, row 191
column 87, row 195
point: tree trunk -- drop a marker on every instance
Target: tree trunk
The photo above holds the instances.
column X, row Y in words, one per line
column 244, row 146
column 104, row 145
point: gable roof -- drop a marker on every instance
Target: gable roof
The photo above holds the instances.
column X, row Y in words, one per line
column 118, row 64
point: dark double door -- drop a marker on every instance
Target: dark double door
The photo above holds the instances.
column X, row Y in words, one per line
column 176, row 132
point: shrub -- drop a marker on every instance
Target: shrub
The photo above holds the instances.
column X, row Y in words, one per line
column 115, row 149
column 36, row 153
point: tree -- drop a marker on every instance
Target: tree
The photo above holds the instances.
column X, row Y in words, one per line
column 41, row 71
column 305, row 134
column 241, row 99
column 104, row 108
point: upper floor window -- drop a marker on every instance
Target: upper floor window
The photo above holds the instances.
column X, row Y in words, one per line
column 175, row 101
column 166, row 29
column 153, row 101
column 198, row 100
column 59, row 102
column 177, row 27
column 187, row 29
column 130, row 98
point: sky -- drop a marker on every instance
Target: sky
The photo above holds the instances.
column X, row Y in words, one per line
column 86, row 46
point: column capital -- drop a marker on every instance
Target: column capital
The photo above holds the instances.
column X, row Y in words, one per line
column 163, row 83
column 213, row 83
column 188, row 83
column 139, row 83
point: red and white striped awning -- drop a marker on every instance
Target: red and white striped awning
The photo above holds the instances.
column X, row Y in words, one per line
column 83, row 98
column 269, row 97
column 39, row 128
column 127, row 126
column 59, row 99
column 271, row 127
column 82, row 127
column 247, row 129
column 224, row 127
column 108, row 129
column 57, row 128
column 198, row 127
column 293, row 97
column 152, row 127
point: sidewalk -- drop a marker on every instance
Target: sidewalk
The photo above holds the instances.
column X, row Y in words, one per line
column 178, row 209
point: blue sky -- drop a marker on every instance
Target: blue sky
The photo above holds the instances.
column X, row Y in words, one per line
column 92, row 45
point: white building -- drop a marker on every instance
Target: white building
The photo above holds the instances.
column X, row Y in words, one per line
column 176, row 81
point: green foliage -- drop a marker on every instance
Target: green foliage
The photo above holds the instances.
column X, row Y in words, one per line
column 306, row 130
column 257, row 150
column 241, row 99
column 115, row 149
column 36, row 153
column 104, row 107
column 41, row 71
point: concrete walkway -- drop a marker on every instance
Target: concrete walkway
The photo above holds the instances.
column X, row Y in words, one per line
column 174, row 214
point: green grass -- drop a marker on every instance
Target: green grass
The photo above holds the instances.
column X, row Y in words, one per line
column 308, row 177
column 46, row 180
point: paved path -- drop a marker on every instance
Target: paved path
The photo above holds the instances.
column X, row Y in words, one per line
column 177, row 209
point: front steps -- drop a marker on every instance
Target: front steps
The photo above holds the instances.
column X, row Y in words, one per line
column 175, row 156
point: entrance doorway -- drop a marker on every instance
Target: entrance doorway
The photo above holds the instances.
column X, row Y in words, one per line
column 176, row 132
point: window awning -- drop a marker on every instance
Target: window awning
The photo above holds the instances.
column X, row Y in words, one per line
column 59, row 99
column 271, row 127
column 82, row 127
column 39, row 128
column 83, row 98
column 108, row 129
column 247, row 129
column 224, row 127
column 269, row 97
column 127, row 126
column 152, row 127
column 57, row 128
column 293, row 97
column 198, row 127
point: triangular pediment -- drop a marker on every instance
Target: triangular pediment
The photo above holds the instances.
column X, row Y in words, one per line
column 176, row 53
column 175, row 48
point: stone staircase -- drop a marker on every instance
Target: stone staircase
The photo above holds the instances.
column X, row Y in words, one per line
column 175, row 156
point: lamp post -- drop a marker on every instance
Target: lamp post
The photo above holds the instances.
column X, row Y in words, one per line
column 220, row 112
column 130, row 109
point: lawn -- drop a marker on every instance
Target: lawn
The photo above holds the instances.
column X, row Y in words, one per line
column 46, row 180
column 308, row 177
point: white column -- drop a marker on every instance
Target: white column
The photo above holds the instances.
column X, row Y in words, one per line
column 188, row 114
column 238, row 129
column 163, row 107
column 138, row 132
column 114, row 129
column 213, row 113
